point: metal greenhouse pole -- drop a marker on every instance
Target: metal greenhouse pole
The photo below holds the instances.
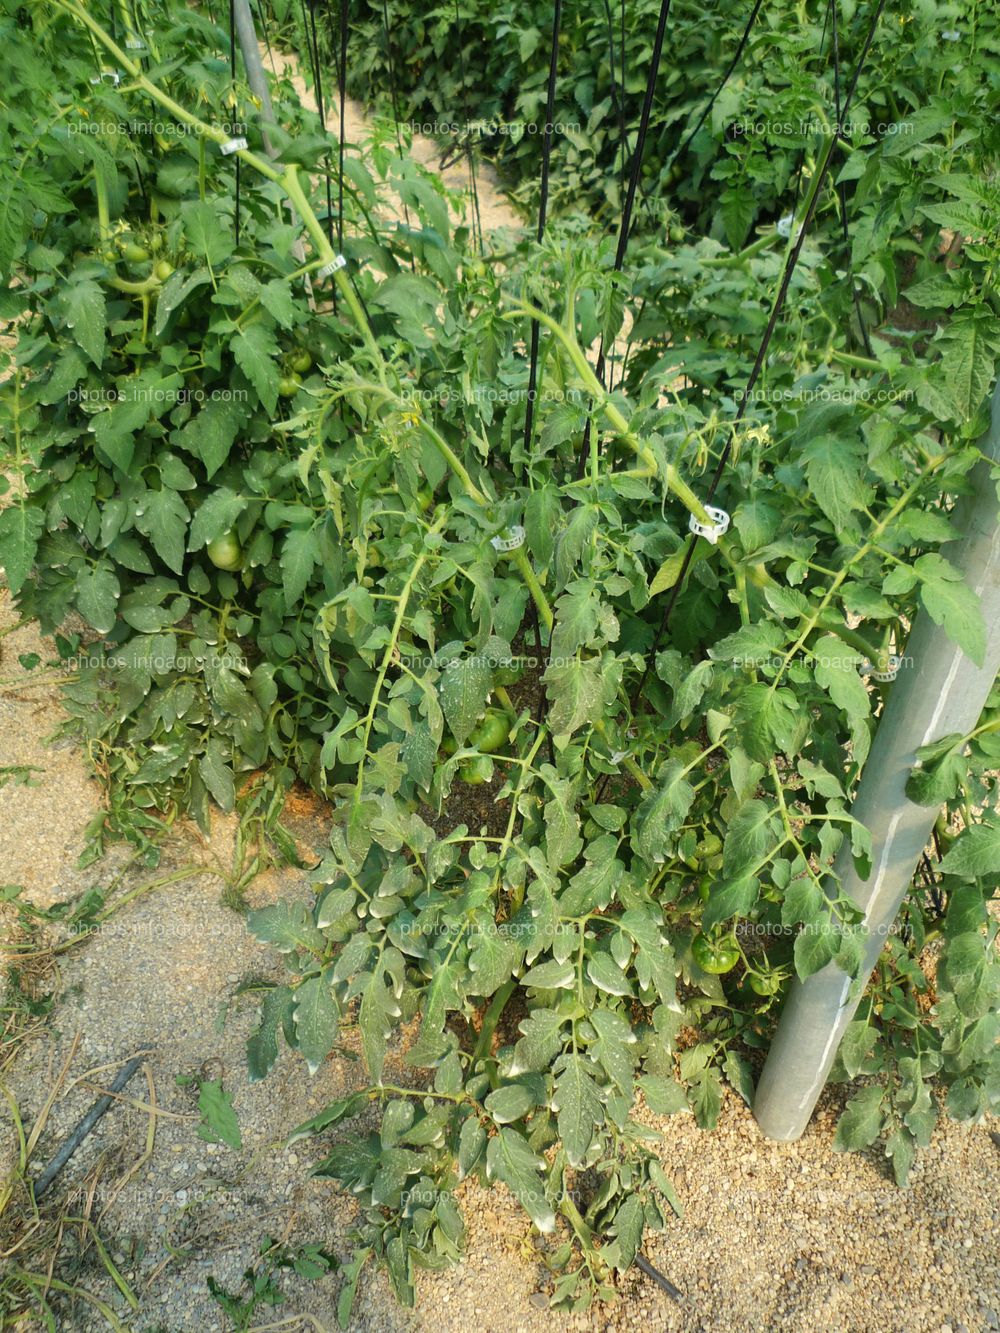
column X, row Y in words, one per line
column 939, row 692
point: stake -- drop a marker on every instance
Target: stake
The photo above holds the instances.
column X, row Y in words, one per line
column 939, row 691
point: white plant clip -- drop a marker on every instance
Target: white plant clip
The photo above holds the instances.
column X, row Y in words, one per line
column 134, row 44
column 233, row 146
column 887, row 676
column 619, row 755
column 112, row 76
column 338, row 262
column 711, row 531
column 510, row 542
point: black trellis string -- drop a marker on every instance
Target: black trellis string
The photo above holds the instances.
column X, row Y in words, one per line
column 758, row 365
column 625, row 225
column 312, row 41
column 617, row 93
column 842, row 189
column 477, row 221
column 267, row 41
column 543, row 204
column 232, row 70
column 395, row 102
column 725, row 79
column 342, row 92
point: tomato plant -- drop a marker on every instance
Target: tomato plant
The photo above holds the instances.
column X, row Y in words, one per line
column 311, row 539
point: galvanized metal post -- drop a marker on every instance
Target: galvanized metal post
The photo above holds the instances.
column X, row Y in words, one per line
column 939, row 691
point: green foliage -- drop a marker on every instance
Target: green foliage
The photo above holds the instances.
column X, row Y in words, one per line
column 526, row 906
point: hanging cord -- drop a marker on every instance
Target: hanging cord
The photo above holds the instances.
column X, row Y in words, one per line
column 267, row 41
column 232, row 72
column 625, row 225
column 543, row 204
column 342, row 90
column 477, row 221
column 395, row 105
column 617, row 92
column 758, row 365
column 312, row 42
column 842, row 188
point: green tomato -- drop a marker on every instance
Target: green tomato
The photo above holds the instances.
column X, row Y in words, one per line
column 476, row 771
column 491, row 734
column 135, row 254
column 715, row 956
column 704, row 888
column 288, row 386
column 449, row 745
column 163, row 270
column 226, row 552
column 301, row 361
column 766, row 983
column 425, row 498
column 677, row 235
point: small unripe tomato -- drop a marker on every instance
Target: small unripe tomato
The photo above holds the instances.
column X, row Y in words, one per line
column 476, row 771
column 226, row 552
column 491, row 733
column 301, row 361
column 135, row 254
column 715, row 956
column 288, row 386
column 163, row 270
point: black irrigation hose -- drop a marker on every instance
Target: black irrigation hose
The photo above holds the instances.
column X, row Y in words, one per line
column 758, row 365
column 84, row 1126
column 664, row 1283
column 625, row 226
column 543, row 204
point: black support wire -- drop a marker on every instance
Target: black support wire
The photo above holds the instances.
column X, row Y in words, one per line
column 395, row 102
column 625, row 226
column 232, row 74
column 842, row 189
column 543, row 203
column 477, row 221
column 312, row 44
column 758, row 365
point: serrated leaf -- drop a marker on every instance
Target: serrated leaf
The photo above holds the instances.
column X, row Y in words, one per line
column 209, row 234
column 20, row 529
column 509, row 1103
column 210, row 433
column 861, row 1121
column 661, row 812
column 262, row 1045
column 834, row 469
column 256, row 353
column 214, row 516
column 316, row 1018
column 163, row 518
column 219, row 1122
column 83, row 301
column 575, row 691
column 463, row 691
column 511, row 1160
column 976, row 852
column 97, row 590
column 577, row 1101
column 288, row 926
column 299, row 552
